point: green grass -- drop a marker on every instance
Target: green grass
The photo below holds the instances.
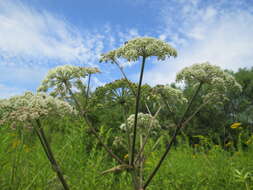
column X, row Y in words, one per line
column 23, row 165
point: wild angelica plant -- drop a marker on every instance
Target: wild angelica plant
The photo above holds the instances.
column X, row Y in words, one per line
column 198, row 75
column 29, row 110
column 211, row 85
column 66, row 78
column 133, row 50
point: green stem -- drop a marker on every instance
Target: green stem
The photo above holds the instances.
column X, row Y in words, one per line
column 93, row 130
column 169, row 145
column 109, row 151
column 137, row 109
column 125, row 77
column 88, row 89
column 146, row 137
column 49, row 153
column 141, row 162
column 17, row 158
column 127, row 134
column 43, row 144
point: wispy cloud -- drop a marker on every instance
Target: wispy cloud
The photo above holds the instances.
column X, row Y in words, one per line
column 219, row 32
column 33, row 34
column 33, row 41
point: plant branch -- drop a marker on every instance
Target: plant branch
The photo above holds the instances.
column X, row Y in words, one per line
column 196, row 111
column 94, row 130
column 125, row 77
column 137, row 109
column 170, row 111
column 146, row 137
column 88, row 89
column 169, row 145
column 127, row 134
column 50, row 155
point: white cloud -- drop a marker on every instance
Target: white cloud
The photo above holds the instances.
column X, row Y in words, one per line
column 33, row 41
column 127, row 35
column 218, row 34
column 34, row 34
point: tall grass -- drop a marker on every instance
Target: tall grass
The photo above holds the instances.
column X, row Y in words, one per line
column 24, row 166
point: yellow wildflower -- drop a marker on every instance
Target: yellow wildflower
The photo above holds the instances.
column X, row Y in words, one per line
column 15, row 143
column 237, row 153
column 27, row 148
column 248, row 141
column 235, row 125
column 228, row 144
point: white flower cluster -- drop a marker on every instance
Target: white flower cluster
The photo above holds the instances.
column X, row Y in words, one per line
column 171, row 95
column 220, row 82
column 144, row 122
column 63, row 77
column 141, row 47
column 30, row 107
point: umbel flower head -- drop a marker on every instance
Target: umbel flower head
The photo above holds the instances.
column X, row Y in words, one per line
column 145, row 121
column 220, row 82
column 30, row 107
column 63, row 77
column 118, row 91
column 171, row 95
column 140, row 47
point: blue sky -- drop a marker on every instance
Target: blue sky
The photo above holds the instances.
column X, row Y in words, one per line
column 38, row 35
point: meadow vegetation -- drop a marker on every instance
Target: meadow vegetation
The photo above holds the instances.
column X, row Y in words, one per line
column 195, row 133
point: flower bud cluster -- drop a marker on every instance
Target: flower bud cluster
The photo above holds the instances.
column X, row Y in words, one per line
column 171, row 95
column 141, row 47
column 30, row 107
column 145, row 121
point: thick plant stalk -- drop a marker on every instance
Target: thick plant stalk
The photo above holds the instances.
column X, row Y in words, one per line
column 134, row 93
column 135, row 181
column 93, row 130
column 88, row 89
column 49, row 153
column 16, row 160
column 137, row 109
column 169, row 145
column 127, row 134
column 43, row 144
column 141, row 162
column 139, row 155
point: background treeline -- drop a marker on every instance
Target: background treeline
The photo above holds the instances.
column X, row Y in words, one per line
column 213, row 121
